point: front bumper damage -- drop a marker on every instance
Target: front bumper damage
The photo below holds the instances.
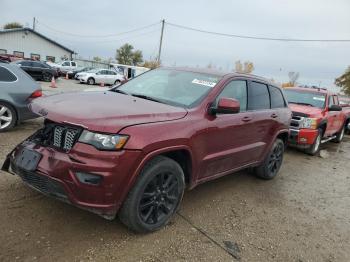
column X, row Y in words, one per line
column 56, row 175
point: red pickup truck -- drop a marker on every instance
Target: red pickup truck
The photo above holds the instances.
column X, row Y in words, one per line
column 317, row 117
column 345, row 104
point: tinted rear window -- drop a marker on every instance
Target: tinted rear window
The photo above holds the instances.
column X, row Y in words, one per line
column 6, row 75
column 258, row 96
column 277, row 100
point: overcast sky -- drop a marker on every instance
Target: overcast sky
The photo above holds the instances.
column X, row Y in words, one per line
column 318, row 63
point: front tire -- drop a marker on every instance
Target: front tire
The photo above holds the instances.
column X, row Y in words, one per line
column 315, row 147
column 155, row 196
column 90, row 81
column 340, row 135
column 272, row 163
column 8, row 117
column 117, row 82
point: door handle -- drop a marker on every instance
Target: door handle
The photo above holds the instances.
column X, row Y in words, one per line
column 274, row 115
column 246, row 119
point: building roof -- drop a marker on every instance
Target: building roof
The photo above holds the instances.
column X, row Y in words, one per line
column 38, row 34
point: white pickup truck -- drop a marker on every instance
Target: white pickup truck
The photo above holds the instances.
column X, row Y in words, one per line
column 67, row 66
column 64, row 67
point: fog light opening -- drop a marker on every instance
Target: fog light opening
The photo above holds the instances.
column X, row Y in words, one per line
column 89, row 179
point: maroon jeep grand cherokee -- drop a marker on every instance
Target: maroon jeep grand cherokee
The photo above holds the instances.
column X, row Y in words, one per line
column 135, row 148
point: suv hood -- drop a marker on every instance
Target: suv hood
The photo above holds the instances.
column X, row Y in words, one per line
column 104, row 111
column 308, row 110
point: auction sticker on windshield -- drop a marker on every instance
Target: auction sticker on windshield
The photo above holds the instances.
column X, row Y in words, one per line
column 319, row 98
column 203, row 82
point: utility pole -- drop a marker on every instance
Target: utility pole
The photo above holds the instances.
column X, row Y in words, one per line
column 33, row 23
column 160, row 42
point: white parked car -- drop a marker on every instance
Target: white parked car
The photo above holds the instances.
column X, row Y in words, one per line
column 98, row 76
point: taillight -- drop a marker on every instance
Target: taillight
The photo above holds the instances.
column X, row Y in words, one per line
column 35, row 94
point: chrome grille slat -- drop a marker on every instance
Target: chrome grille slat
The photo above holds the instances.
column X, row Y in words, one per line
column 295, row 121
column 69, row 138
column 57, row 136
column 64, row 137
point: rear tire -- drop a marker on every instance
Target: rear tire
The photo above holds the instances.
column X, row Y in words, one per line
column 117, row 82
column 273, row 161
column 90, row 81
column 315, row 147
column 8, row 117
column 155, row 196
column 340, row 135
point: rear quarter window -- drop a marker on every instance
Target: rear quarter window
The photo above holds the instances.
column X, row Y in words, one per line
column 6, row 75
column 276, row 97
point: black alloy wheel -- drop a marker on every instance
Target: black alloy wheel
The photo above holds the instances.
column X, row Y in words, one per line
column 159, row 198
column 275, row 159
column 155, row 196
column 269, row 168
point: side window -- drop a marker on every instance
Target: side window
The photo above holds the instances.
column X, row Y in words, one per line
column 276, row 97
column 36, row 64
column 112, row 73
column 26, row 63
column 330, row 101
column 236, row 89
column 336, row 100
column 65, row 64
column 258, row 96
column 6, row 75
column 73, row 64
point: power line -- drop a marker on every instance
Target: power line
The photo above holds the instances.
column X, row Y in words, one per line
column 256, row 37
column 94, row 41
column 96, row 36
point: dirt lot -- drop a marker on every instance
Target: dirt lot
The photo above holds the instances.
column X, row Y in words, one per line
column 302, row 215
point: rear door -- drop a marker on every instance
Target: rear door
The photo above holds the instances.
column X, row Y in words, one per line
column 264, row 118
column 339, row 119
column 38, row 69
column 113, row 77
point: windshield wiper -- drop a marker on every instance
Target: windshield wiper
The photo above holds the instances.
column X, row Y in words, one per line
column 119, row 91
column 301, row 103
column 148, row 98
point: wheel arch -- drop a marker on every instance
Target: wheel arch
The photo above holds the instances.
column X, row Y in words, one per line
column 181, row 154
column 91, row 77
column 323, row 125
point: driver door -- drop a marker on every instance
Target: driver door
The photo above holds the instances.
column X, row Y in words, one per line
column 331, row 118
column 229, row 141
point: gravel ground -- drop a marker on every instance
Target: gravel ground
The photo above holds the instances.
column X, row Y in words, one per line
column 302, row 215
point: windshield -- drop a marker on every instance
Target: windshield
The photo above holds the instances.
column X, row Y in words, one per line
column 170, row 86
column 305, row 98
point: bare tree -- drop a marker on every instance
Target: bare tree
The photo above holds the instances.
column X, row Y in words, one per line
column 293, row 77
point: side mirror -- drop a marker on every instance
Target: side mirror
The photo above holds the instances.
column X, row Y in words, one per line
column 226, row 106
column 335, row 108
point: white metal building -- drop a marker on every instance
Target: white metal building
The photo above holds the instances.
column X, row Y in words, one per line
column 25, row 42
